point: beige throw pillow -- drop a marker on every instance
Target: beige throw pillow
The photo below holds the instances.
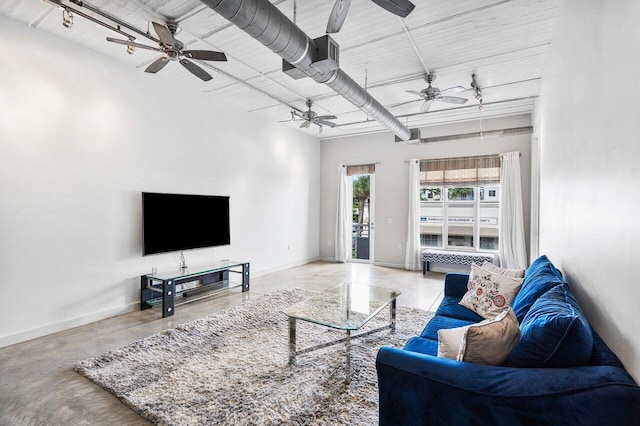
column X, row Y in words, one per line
column 449, row 340
column 513, row 273
column 489, row 342
column 489, row 293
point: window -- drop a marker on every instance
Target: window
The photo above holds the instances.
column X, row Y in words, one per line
column 460, row 203
column 468, row 218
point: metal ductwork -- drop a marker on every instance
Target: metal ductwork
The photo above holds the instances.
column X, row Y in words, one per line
column 264, row 22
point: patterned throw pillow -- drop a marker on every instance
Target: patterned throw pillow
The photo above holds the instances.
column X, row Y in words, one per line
column 513, row 273
column 488, row 342
column 489, row 294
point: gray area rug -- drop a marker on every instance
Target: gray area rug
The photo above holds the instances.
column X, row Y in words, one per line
column 231, row 368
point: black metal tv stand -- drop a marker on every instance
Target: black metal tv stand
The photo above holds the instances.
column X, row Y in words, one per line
column 160, row 289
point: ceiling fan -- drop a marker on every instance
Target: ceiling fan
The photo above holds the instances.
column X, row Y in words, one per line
column 338, row 14
column 174, row 51
column 311, row 117
column 431, row 94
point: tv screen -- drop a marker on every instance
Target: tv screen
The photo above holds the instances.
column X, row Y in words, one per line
column 173, row 222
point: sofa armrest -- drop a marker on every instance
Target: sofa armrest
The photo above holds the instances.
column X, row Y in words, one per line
column 455, row 284
column 422, row 389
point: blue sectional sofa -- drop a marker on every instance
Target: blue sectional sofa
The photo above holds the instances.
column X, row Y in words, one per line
column 559, row 373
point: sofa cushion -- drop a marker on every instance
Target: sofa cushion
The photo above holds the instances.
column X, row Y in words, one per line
column 489, row 293
column 422, row 345
column 488, row 342
column 451, row 308
column 440, row 321
column 513, row 273
column 554, row 333
column 540, row 277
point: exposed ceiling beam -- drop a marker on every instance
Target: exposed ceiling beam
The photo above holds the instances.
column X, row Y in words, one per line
column 407, row 32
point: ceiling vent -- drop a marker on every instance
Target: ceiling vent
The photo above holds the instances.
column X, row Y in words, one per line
column 325, row 58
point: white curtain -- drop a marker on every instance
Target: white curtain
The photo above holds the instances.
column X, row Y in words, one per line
column 343, row 219
column 412, row 255
column 513, row 252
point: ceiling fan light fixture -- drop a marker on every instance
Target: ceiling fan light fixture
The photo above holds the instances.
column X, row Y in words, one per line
column 67, row 18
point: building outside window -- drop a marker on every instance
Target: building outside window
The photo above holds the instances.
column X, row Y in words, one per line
column 466, row 218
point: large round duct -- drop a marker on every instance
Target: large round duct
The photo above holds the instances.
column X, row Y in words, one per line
column 264, row 22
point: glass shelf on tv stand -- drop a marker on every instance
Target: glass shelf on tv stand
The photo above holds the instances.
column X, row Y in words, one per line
column 163, row 289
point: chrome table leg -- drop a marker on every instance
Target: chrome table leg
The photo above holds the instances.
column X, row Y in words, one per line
column 292, row 341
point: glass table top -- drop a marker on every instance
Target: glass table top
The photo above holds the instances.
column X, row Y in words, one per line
column 346, row 306
column 196, row 270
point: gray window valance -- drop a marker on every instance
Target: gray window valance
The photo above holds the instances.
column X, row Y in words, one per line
column 481, row 170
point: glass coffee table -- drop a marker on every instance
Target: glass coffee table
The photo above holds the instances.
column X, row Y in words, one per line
column 345, row 307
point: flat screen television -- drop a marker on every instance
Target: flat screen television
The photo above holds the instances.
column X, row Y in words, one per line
column 174, row 222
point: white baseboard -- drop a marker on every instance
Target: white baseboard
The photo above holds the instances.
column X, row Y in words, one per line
column 389, row 265
column 283, row 267
column 384, row 264
column 33, row 333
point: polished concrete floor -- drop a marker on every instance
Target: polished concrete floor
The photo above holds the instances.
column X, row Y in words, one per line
column 39, row 387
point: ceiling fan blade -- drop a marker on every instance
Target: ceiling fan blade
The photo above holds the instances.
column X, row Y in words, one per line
column 425, row 106
column 195, row 70
column 131, row 43
column 403, row 103
column 325, row 123
column 452, row 99
column 338, row 15
column 452, row 90
column 402, row 8
column 326, row 117
column 204, row 55
column 157, row 65
column 305, row 124
column 165, row 35
column 415, row 92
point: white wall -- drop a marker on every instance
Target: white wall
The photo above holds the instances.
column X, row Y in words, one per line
column 81, row 136
column 590, row 165
column 392, row 176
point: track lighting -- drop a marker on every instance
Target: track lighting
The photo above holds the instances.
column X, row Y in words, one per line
column 130, row 48
column 477, row 92
column 67, row 18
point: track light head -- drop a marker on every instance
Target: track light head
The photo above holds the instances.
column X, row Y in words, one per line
column 67, row 18
column 131, row 49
